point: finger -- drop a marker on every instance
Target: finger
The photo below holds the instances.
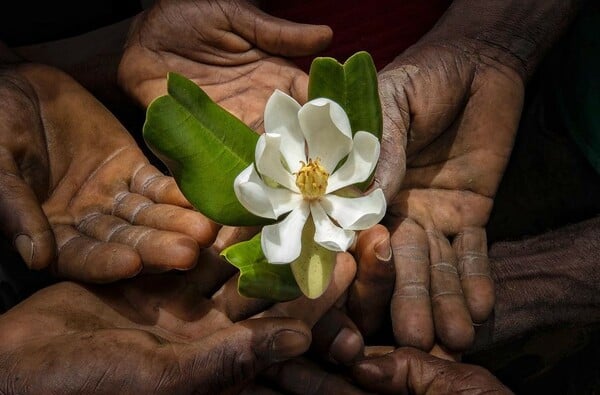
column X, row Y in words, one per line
column 412, row 319
column 299, row 87
column 408, row 370
column 302, row 377
column 22, row 218
column 211, row 272
column 152, row 183
column 310, row 310
column 229, row 235
column 89, row 260
column 236, row 306
column 337, row 339
column 370, row 294
column 451, row 317
column 474, row 270
column 159, row 250
column 140, row 210
column 279, row 36
column 237, row 354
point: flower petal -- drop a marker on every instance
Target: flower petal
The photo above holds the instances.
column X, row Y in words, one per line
column 268, row 161
column 281, row 242
column 327, row 233
column 356, row 213
column 360, row 163
column 327, row 131
column 281, row 117
column 260, row 199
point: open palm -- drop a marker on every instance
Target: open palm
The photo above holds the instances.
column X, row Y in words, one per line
column 167, row 333
column 78, row 195
column 452, row 115
column 229, row 48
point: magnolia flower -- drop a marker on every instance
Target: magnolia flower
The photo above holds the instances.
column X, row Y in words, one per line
column 296, row 172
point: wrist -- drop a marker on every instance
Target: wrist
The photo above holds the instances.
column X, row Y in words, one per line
column 514, row 33
column 548, row 281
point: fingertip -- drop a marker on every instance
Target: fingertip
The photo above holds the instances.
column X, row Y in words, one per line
column 457, row 336
column 282, row 338
column 38, row 250
column 480, row 298
column 183, row 253
column 347, row 347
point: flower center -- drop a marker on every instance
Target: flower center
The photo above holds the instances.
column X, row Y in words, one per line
column 311, row 179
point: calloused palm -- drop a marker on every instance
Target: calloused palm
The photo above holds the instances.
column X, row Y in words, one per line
column 77, row 193
column 228, row 47
column 165, row 333
column 450, row 117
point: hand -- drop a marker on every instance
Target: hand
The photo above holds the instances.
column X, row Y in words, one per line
column 228, row 47
column 77, row 193
column 452, row 115
column 407, row 370
column 162, row 333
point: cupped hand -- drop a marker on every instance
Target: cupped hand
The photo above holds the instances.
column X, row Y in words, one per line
column 230, row 48
column 450, row 117
column 162, row 333
column 77, row 193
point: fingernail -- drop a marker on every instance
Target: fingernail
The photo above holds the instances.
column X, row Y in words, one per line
column 346, row 347
column 288, row 344
column 24, row 245
column 383, row 250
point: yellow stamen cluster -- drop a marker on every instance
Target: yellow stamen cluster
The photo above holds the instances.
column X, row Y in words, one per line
column 311, row 179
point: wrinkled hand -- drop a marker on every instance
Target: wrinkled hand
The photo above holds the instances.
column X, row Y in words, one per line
column 167, row 333
column 408, row 370
column 452, row 115
column 229, row 48
column 77, row 193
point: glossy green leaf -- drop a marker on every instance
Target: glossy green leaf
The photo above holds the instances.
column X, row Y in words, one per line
column 258, row 278
column 205, row 148
column 313, row 268
column 352, row 85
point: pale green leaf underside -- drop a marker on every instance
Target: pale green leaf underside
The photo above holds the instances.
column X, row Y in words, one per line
column 258, row 278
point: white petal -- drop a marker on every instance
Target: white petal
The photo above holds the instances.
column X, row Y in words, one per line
column 281, row 117
column 281, row 242
column 327, row 233
column 360, row 163
column 356, row 213
column 268, row 161
column 260, row 199
column 327, row 131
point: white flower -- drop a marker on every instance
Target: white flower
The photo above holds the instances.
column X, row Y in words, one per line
column 295, row 172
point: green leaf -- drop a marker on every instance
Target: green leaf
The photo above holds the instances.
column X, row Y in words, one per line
column 313, row 268
column 205, row 148
column 258, row 278
column 353, row 86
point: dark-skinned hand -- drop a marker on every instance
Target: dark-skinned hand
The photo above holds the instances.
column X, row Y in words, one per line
column 76, row 192
column 450, row 117
column 163, row 333
column 230, row 48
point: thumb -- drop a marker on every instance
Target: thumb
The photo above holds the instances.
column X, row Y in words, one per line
column 21, row 217
column 279, row 36
column 237, row 354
